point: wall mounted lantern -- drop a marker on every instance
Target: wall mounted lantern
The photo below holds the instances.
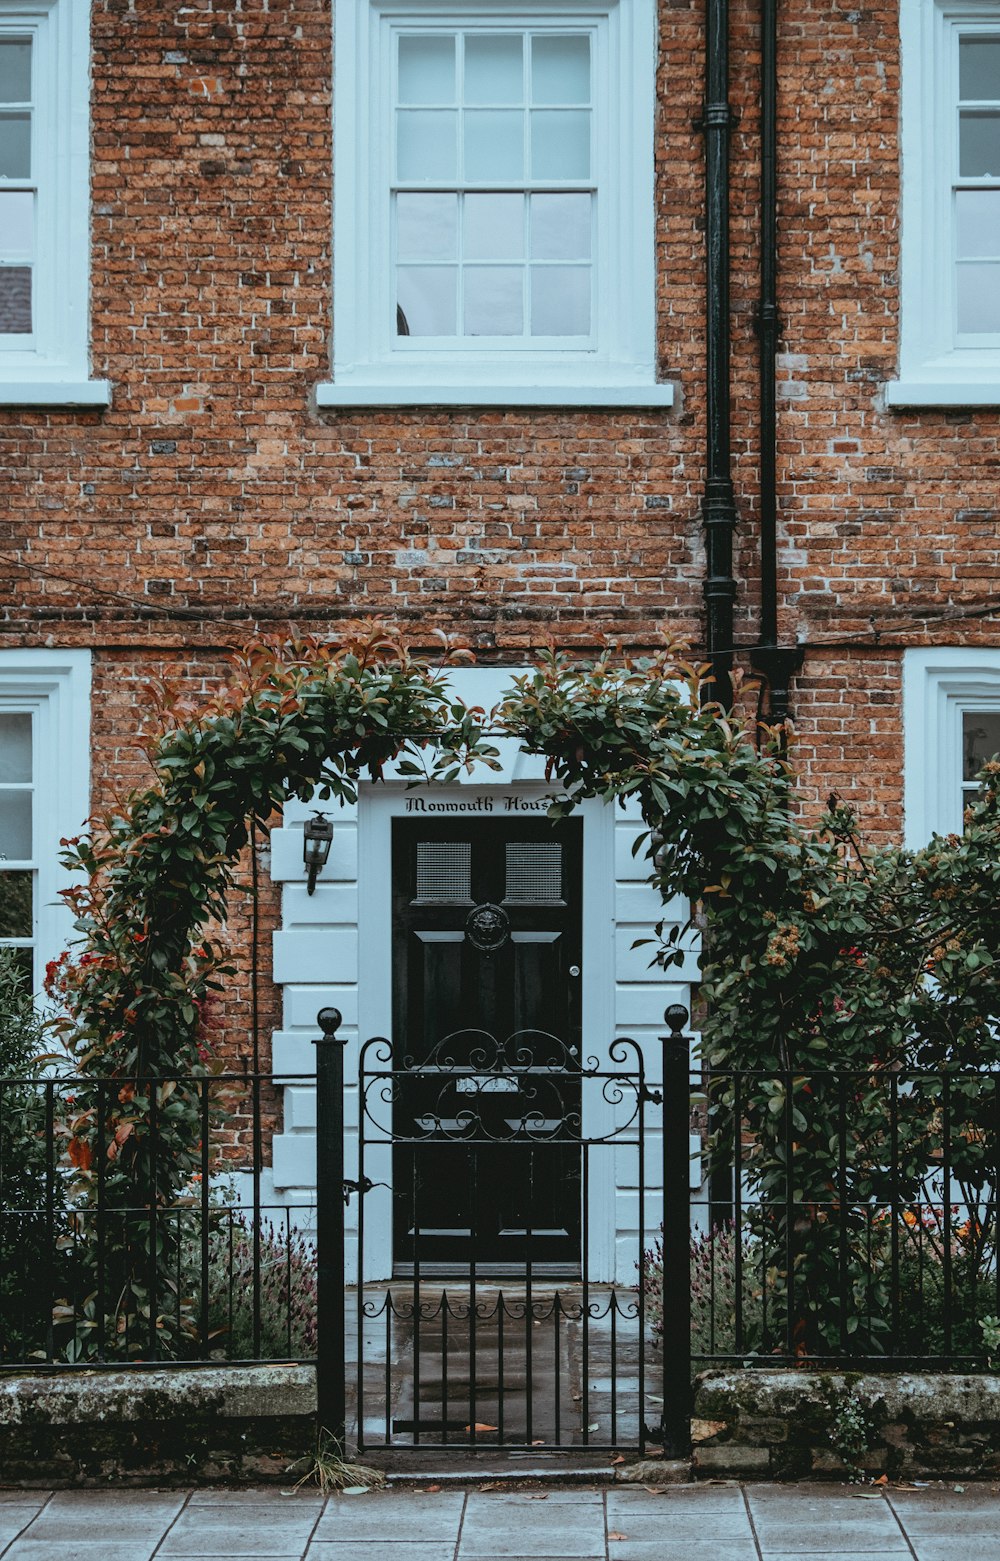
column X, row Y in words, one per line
column 317, row 838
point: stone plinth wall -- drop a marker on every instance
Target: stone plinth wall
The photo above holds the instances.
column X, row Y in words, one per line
column 797, row 1424
column 196, row 1426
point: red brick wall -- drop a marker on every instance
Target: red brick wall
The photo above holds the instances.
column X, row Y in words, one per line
column 210, row 501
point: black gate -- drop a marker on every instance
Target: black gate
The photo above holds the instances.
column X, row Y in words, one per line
column 460, row 1354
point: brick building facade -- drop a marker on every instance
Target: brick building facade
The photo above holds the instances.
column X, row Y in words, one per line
column 188, row 466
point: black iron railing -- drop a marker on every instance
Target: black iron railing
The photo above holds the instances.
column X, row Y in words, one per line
column 134, row 1230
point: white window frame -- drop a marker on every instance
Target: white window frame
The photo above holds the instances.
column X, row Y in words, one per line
column 933, row 371
column 54, row 685
column 620, row 367
column 53, row 367
column 939, row 686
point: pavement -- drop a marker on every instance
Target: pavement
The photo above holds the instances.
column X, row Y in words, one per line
column 708, row 1522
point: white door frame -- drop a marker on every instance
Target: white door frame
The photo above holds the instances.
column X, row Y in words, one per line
column 378, row 805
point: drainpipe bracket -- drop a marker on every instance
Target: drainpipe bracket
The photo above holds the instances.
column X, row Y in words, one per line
column 777, row 664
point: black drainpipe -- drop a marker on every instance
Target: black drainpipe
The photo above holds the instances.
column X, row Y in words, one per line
column 718, row 505
column 776, row 663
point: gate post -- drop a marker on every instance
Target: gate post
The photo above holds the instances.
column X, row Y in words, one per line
column 676, row 1339
column 331, row 1365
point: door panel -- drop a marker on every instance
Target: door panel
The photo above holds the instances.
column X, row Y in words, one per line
column 487, row 918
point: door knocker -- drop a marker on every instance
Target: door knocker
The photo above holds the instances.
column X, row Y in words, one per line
column 487, row 928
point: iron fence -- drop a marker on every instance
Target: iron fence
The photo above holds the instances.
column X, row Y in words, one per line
column 134, row 1230
column 861, row 1226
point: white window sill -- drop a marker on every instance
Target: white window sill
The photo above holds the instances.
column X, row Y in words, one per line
column 942, row 393
column 55, row 393
column 353, row 394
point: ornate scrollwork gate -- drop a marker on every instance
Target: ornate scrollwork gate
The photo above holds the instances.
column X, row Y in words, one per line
column 504, row 1325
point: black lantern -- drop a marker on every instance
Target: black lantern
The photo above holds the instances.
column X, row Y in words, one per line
column 317, row 838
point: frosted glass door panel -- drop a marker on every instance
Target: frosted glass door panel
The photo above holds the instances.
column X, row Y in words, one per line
column 427, row 69
column 494, row 69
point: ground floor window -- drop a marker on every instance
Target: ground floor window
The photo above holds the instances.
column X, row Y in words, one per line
column 951, row 716
column 44, row 795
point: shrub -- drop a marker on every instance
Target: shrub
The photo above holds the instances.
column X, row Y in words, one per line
column 287, row 1290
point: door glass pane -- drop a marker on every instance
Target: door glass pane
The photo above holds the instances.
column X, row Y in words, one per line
column 17, row 224
column 16, row 905
column 428, row 297
column 534, row 871
column 427, row 146
column 560, row 227
column 494, row 68
column 979, row 145
column 15, row 747
column 978, row 220
column 560, row 145
column 15, row 146
column 494, row 145
column 427, row 69
column 15, row 71
column 978, row 297
column 15, row 300
column 427, row 227
column 494, row 301
column 560, row 69
column 494, row 227
column 15, row 826
column 979, row 69
column 444, row 870
column 560, row 300
column 980, row 740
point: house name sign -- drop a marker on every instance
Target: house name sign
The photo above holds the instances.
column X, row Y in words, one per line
column 481, row 804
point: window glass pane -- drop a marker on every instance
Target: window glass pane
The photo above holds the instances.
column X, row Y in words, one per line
column 427, row 146
column 427, row 69
column 560, row 70
column 560, row 300
column 15, row 746
column 24, row 959
column 15, row 826
column 494, row 227
column 979, row 69
column 978, row 297
column 427, row 227
column 980, row 740
column 560, row 227
column 15, row 300
column 428, row 297
column 978, row 219
column 979, row 145
column 560, row 145
column 16, row 905
column 494, row 145
column 17, row 224
column 494, row 68
column 494, row 301
column 15, row 71
column 15, row 146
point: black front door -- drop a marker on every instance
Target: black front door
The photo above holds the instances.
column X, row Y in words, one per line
column 486, row 1014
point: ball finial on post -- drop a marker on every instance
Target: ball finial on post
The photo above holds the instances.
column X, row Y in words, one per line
column 676, row 1017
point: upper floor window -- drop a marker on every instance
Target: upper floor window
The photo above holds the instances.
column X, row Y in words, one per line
column 494, row 203
column 44, row 203
column 950, row 342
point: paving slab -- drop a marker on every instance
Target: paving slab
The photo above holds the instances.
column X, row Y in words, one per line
column 262, row 1496
column 212, row 1531
column 85, row 1550
column 497, row 1525
column 391, row 1515
column 397, row 1550
column 21, row 1498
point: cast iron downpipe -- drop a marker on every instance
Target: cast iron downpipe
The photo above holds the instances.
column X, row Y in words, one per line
column 718, row 505
column 775, row 662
